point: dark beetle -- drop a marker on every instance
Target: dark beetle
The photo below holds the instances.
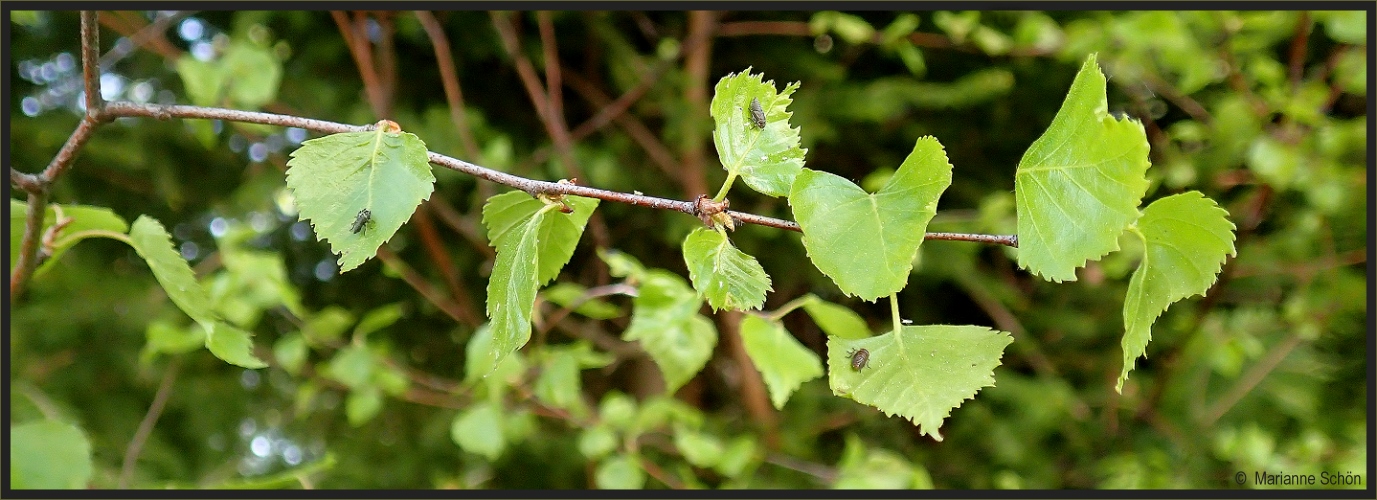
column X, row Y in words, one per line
column 860, row 358
column 757, row 114
column 361, row 221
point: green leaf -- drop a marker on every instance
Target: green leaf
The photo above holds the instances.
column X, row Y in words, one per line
column 362, row 405
column 1186, row 238
column 738, row 455
column 872, row 469
column 565, row 294
column 784, row 363
column 622, row 265
column 866, row 242
column 665, row 320
column 49, row 454
column 232, row 345
column 512, row 290
column 290, row 352
column 153, row 243
column 226, row 342
column 204, row 82
column 559, row 234
column 166, row 338
column 766, row 158
column 921, row 373
column 1079, row 185
column 836, row 320
column 378, row 318
column 700, row 449
column 479, row 430
column 253, row 74
column 559, row 384
column 533, row 243
column 81, row 221
column 619, row 472
column 728, row 278
column 352, row 366
column 334, row 178
column 597, row 441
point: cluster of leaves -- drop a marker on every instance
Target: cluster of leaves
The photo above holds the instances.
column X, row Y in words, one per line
column 1077, row 193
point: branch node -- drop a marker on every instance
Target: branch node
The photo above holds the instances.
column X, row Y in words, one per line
column 712, row 212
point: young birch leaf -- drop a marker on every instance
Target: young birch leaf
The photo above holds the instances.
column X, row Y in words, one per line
column 866, row 242
column 725, row 276
column 533, row 243
column 559, row 234
column 619, row 472
column 784, row 363
column 1186, row 238
column 665, row 319
column 49, row 455
column 921, row 373
column 766, row 158
column 81, row 221
column 1078, row 186
column 232, row 345
column 336, row 177
column 512, row 289
column 152, row 242
column 836, row 320
column 479, row 430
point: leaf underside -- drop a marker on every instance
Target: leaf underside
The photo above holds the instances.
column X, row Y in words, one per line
column 1186, row 238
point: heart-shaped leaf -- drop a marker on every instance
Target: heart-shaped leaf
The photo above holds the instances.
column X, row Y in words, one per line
column 725, row 276
column 866, row 242
column 921, row 373
column 1079, row 185
column 337, row 177
column 1186, row 238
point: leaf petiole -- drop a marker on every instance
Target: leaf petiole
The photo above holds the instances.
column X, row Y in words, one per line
column 894, row 312
column 726, row 186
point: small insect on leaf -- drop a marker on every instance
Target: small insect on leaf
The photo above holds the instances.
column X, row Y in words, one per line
column 860, row 358
column 757, row 114
column 361, row 221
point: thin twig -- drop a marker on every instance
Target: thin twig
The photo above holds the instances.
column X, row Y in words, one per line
column 449, row 79
column 155, row 410
column 1298, row 51
column 531, row 186
column 150, row 36
column 1249, row 380
column 589, row 294
column 827, row 475
column 634, row 127
column 414, row 279
column 358, row 44
column 90, row 56
column 28, row 245
column 435, row 248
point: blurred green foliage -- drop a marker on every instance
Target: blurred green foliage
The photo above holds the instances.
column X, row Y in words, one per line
column 1264, row 111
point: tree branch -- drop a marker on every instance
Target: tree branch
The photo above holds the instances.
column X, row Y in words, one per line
column 531, row 186
column 90, row 58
